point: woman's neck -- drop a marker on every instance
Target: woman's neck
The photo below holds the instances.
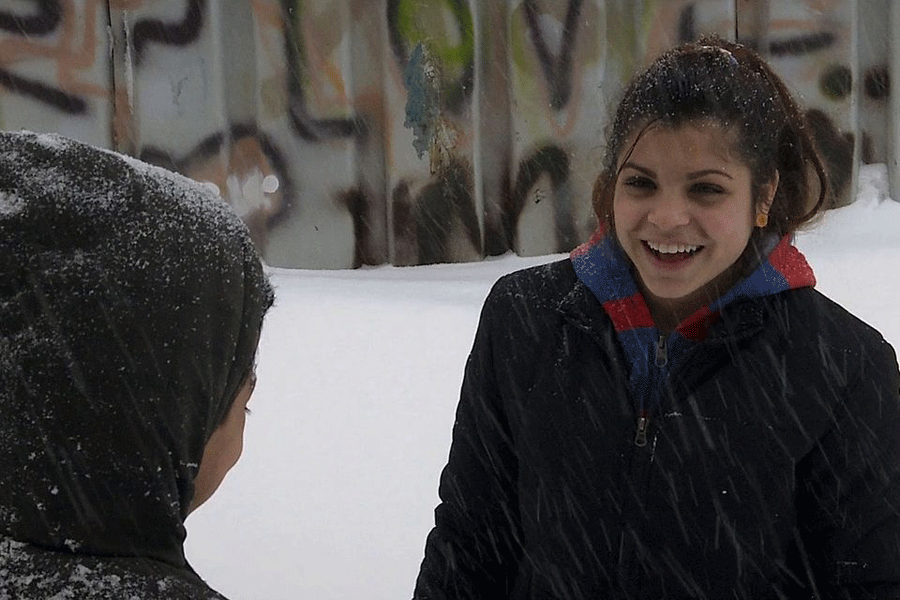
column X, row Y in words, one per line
column 668, row 313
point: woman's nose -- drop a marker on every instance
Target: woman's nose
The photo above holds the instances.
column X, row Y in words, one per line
column 669, row 211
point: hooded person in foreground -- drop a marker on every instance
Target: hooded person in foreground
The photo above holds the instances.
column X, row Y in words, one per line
column 131, row 303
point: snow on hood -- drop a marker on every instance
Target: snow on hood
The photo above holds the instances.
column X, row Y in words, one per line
column 131, row 300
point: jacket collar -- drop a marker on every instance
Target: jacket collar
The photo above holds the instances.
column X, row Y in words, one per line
column 602, row 266
column 604, row 272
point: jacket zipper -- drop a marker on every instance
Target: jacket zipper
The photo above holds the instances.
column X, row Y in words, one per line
column 643, row 422
column 662, row 354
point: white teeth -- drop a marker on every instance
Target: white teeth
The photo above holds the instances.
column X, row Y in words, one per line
column 664, row 248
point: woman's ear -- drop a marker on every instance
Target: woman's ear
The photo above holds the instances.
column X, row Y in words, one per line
column 769, row 190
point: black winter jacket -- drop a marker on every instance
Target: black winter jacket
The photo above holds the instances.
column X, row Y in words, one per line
column 771, row 471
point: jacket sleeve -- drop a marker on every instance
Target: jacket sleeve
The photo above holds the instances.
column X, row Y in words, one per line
column 473, row 551
column 849, row 493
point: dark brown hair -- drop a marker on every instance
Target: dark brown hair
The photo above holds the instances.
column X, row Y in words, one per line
column 727, row 83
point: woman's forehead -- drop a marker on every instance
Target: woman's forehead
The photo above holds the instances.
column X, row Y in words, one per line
column 701, row 135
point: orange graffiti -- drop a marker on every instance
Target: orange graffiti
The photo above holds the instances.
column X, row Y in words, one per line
column 72, row 50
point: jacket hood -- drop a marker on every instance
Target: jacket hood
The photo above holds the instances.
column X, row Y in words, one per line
column 602, row 266
column 605, row 269
column 131, row 302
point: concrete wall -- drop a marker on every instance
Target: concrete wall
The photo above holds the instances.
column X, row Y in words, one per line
column 351, row 132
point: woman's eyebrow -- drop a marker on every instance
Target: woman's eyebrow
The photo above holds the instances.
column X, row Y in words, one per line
column 697, row 174
column 692, row 175
column 636, row 167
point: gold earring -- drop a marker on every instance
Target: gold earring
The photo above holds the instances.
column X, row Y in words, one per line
column 762, row 219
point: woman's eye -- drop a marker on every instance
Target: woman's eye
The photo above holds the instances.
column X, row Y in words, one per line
column 707, row 189
column 640, row 183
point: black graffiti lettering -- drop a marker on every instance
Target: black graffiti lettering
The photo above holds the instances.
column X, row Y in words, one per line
column 877, row 82
column 803, row 44
column 836, row 82
column 358, row 206
column 308, row 127
column 45, row 19
column 403, row 221
column 687, row 24
column 58, row 99
column 836, row 149
column 553, row 162
column 557, row 71
column 172, row 34
column 497, row 239
column 212, row 145
column 456, row 93
column 444, row 211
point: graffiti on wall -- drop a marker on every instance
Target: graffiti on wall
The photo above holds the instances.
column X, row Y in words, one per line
column 45, row 33
column 400, row 131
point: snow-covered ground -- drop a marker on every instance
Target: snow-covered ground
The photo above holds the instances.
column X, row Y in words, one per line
column 359, row 373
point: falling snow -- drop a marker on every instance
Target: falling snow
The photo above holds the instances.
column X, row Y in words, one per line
column 359, row 375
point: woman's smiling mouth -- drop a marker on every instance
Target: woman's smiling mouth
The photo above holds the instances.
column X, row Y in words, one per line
column 670, row 252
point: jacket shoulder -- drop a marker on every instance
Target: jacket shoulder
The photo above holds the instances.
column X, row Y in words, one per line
column 537, row 302
column 33, row 572
column 521, row 310
column 829, row 322
column 547, row 284
column 835, row 348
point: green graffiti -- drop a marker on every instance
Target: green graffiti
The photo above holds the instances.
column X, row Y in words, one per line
column 413, row 16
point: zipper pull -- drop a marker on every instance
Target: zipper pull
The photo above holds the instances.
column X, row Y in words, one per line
column 662, row 355
column 643, row 423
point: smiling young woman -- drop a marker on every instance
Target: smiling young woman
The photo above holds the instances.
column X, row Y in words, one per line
column 674, row 411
